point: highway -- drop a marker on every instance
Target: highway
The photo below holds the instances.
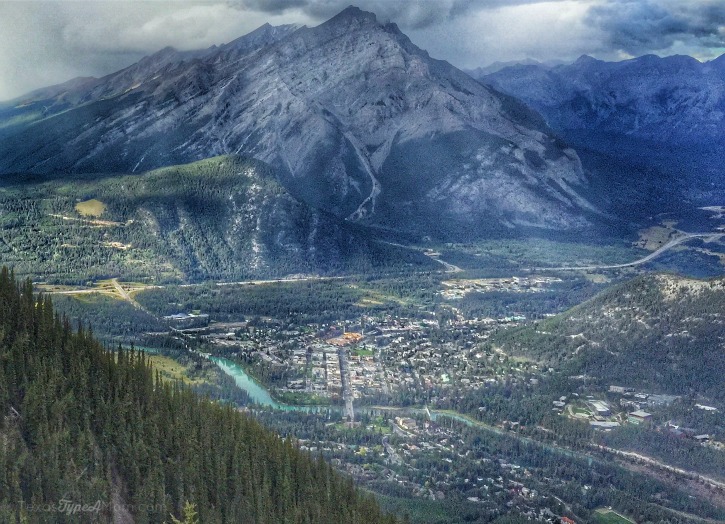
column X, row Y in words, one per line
column 669, row 245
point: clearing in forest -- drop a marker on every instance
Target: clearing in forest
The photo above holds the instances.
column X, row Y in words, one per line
column 91, row 208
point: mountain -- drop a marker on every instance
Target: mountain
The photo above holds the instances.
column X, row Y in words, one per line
column 663, row 115
column 660, row 333
column 354, row 119
column 497, row 66
column 222, row 218
column 99, row 431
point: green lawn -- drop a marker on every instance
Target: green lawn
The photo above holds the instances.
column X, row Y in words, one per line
column 608, row 516
column 173, row 370
column 362, row 352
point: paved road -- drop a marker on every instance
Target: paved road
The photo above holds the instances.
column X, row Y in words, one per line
column 394, row 457
column 117, row 287
column 669, row 245
column 450, row 268
column 77, row 292
column 378, row 358
column 128, row 298
column 636, row 457
column 347, row 393
column 312, row 278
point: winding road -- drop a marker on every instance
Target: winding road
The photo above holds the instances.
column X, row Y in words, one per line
column 669, row 245
column 449, row 268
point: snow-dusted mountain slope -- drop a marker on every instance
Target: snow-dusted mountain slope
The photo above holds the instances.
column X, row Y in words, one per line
column 354, row 118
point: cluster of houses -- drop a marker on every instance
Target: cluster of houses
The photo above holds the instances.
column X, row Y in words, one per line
column 640, row 400
column 187, row 320
column 459, row 288
column 685, row 432
column 599, row 412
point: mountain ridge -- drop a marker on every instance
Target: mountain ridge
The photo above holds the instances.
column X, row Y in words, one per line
column 659, row 115
column 222, row 218
column 354, row 119
column 642, row 78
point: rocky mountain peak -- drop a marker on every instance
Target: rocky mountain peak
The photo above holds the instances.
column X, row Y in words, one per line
column 351, row 20
column 264, row 35
column 585, row 60
column 353, row 118
column 352, row 14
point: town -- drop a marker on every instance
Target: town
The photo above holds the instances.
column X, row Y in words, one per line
column 376, row 360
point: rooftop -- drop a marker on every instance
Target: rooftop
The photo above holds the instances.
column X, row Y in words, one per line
column 640, row 414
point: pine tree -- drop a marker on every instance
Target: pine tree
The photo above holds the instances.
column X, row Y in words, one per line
column 190, row 515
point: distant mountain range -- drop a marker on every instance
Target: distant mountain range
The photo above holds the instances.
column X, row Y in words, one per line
column 497, row 66
column 662, row 118
column 354, row 119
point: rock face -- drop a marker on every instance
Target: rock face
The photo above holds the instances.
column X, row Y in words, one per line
column 354, row 119
column 666, row 114
column 672, row 99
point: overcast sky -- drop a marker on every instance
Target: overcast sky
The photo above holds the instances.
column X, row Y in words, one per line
column 43, row 43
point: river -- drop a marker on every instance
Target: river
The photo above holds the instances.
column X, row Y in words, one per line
column 260, row 396
column 257, row 393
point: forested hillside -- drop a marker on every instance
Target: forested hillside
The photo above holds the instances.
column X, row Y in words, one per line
column 661, row 332
column 224, row 218
column 91, row 435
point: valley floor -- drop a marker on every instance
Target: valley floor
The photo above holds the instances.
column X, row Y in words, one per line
column 431, row 383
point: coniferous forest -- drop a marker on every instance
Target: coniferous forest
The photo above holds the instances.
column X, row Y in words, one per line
column 92, row 435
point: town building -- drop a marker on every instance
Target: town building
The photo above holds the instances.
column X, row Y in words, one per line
column 639, row 417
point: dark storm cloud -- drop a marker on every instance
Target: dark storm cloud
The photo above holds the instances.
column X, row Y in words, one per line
column 410, row 14
column 50, row 41
column 47, row 42
column 643, row 26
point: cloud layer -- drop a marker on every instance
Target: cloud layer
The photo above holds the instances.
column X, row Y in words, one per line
column 42, row 43
column 408, row 14
column 643, row 26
